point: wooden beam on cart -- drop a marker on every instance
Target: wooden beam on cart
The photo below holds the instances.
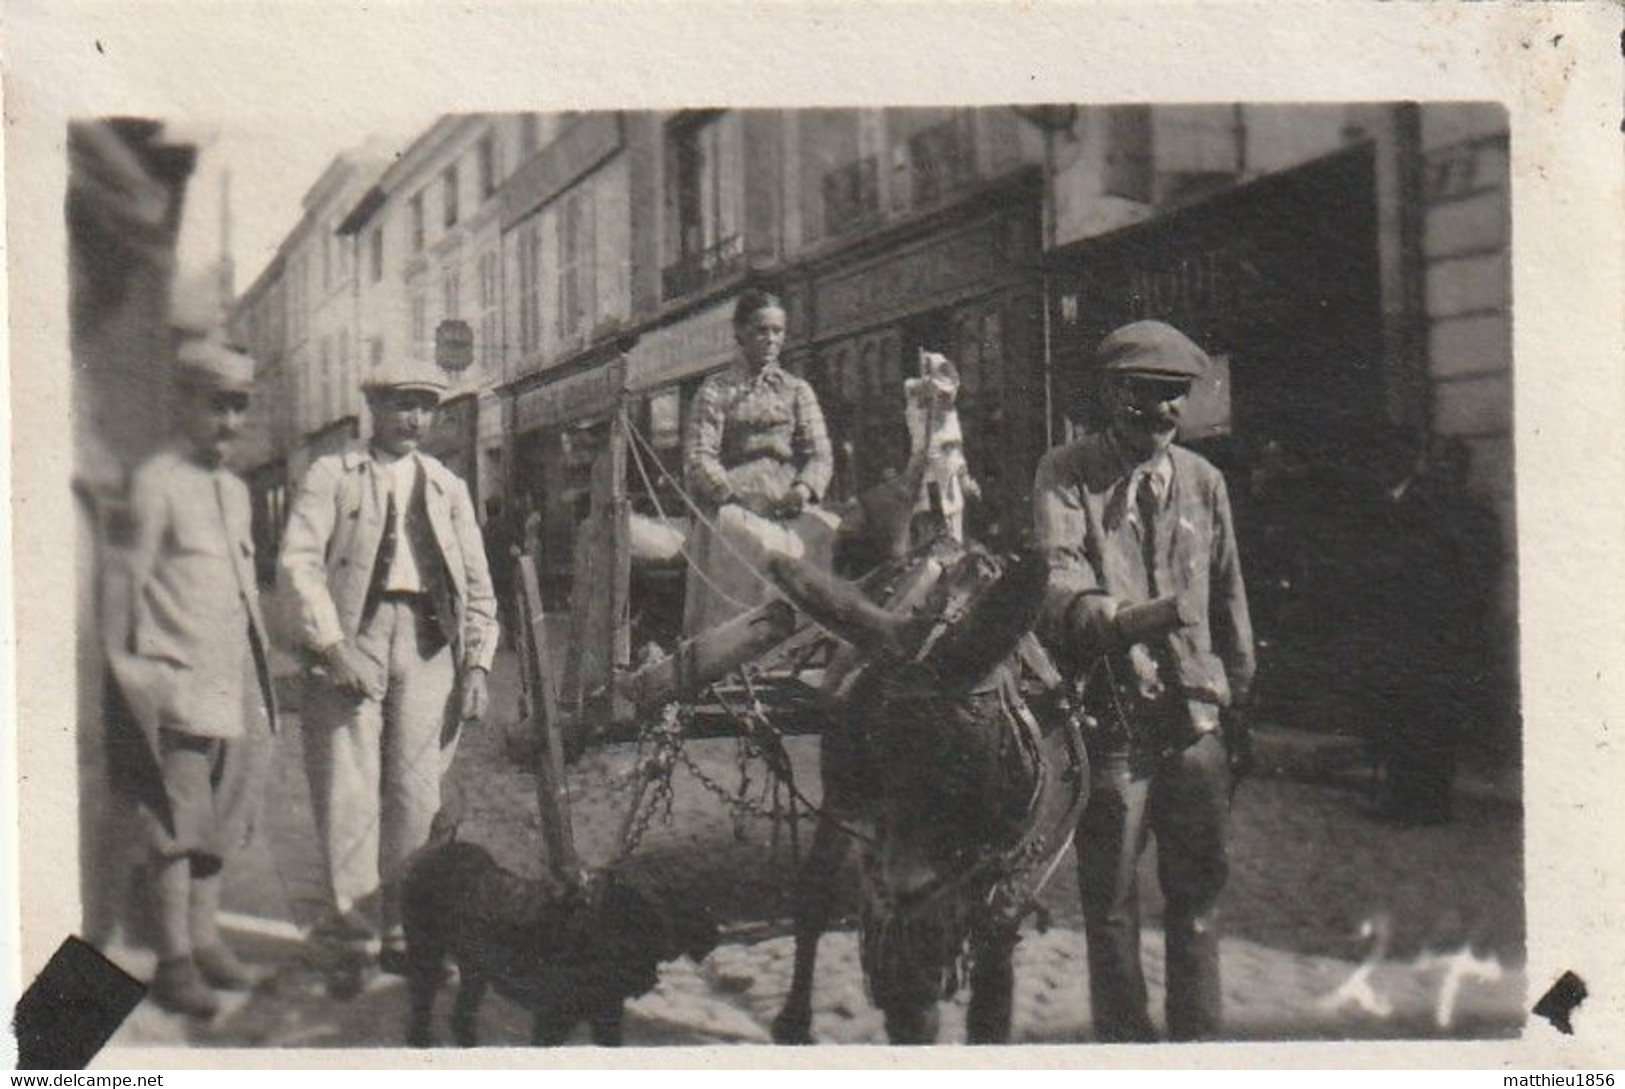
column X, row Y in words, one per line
column 541, row 671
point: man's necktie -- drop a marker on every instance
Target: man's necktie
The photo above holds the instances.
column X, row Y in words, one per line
column 391, row 538
column 1146, row 504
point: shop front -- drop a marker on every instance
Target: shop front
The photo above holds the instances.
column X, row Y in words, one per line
column 967, row 288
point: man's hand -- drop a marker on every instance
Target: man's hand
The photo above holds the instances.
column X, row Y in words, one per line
column 1147, row 680
column 1094, row 624
column 794, row 502
column 353, row 672
column 476, row 697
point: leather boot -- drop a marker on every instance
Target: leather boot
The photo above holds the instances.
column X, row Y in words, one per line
column 178, row 987
column 221, row 968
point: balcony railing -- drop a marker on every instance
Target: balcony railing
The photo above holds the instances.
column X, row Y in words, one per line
column 700, row 267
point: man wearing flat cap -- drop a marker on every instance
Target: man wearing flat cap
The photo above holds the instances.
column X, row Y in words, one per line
column 1125, row 516
column 397, row 617
column 191, row 720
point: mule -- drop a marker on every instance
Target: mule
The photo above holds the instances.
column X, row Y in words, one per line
column 935, row 764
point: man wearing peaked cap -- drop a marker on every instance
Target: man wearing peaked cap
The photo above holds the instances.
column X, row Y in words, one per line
column 214, row 365
column 1151, row 348
column 1126, row 516
column 384, row 560
column 194, row 709
column 406, row 375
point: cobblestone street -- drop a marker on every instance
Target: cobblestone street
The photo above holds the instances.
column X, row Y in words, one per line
column 1335, row 925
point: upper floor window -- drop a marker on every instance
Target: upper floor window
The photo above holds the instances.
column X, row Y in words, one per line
column 577, row 262
column 418, row 225
column 490, row 315
column 451, row 288
column 704, row 200
column 530, row 303
column 420, row 321
column 448, row 181
column 840, row 173
column 488, row 165
column 1130, row 173
column 375, row 248
column 932, row 154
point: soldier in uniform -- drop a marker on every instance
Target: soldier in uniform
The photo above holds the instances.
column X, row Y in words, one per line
column 397, row 618
column 1125, row 516
column 189, row 662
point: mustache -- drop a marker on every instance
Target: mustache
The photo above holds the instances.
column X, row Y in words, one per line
column 1153, row 418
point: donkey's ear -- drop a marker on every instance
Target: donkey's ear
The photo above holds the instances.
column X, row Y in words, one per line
column 838, row 606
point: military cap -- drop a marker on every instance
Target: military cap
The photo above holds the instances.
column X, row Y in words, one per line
column 1153, row 349
column 406, row 374
column 210, row 365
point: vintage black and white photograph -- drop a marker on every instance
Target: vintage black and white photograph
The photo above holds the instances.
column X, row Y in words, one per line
column 981, row 572
column 995, row 574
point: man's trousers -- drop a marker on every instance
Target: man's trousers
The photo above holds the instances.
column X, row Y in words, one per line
column 375, row 767
column 1183, row 800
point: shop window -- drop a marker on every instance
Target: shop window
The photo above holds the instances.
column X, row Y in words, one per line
column 448, row 183
column 1128, row 153
column 577, row 258
column 530, row 309
column 417, row 223
column 488, row 165
column 705, row 182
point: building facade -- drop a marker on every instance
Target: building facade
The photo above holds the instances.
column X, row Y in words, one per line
column 259, row 324
column 1346, row 265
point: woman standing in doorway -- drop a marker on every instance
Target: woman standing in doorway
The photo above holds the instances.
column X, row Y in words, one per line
column 757, row 461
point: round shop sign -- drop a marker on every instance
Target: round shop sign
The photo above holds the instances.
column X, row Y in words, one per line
column 454, row 345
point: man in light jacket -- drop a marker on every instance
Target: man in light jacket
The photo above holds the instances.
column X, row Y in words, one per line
column 1126, row 516
column 193, row 711
column 397, row 618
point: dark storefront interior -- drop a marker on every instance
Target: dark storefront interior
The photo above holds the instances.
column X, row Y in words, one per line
column 1280, row 281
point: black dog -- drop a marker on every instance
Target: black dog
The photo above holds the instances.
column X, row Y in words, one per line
column 568, row 954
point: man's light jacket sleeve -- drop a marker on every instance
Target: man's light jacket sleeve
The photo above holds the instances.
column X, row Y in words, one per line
column 480, row 628
column 303, row 559
column 1075, row 598
column 1227, row 607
